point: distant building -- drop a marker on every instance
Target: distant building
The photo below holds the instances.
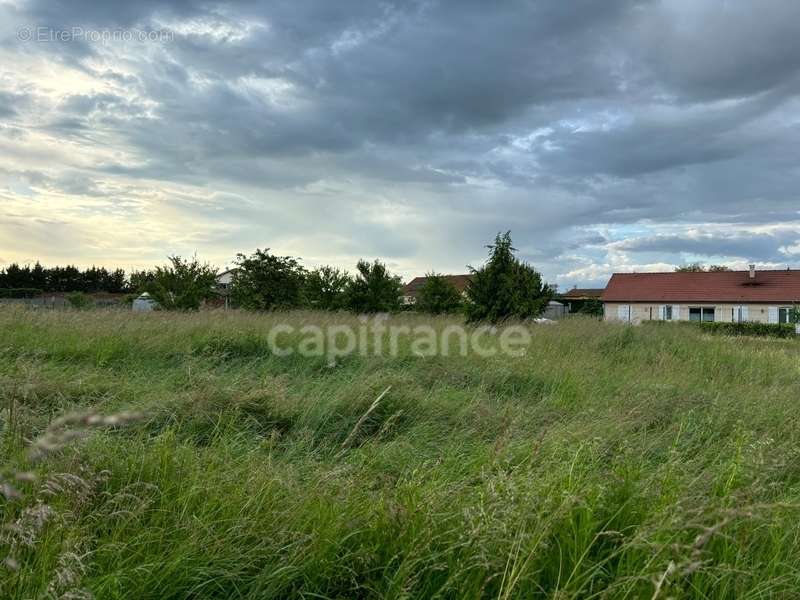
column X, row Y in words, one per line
column 225, row 279
column 554, row 310
column 732, row 296
column 412, row 289
column 144, row 303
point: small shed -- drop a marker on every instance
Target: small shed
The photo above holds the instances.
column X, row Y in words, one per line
column 144, row 303
column 555, row 310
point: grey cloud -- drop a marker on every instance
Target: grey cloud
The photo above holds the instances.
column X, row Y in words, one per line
column 465, row 118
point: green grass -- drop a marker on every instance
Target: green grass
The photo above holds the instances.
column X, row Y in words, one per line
column 606, row 460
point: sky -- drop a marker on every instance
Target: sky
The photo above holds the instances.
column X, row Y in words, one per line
column 607, row 136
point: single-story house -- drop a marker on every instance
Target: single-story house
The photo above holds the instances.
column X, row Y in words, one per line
column 412, row 289
column 738, row 296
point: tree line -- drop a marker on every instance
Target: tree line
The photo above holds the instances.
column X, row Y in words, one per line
column 503, row 287
column 64, row 279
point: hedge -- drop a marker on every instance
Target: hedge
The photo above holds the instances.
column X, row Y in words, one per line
column 19, row 292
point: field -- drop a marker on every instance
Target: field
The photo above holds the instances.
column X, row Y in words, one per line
column 608, row 462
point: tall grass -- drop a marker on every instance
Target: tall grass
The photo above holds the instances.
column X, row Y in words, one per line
column 609, row 462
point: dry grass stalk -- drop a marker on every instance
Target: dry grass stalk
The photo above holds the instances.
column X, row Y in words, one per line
column 360, row 422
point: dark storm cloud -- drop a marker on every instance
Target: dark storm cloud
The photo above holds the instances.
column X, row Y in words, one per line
column 742, row 245
column 547, row 117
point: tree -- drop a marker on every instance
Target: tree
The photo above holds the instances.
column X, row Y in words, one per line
column 699, row 268
column 325, row 288
column 438, row 296
column 504, row 287
column 592, row 306
column 264, row 281
column 182, row 284
column 139, row 281
column 373, row 289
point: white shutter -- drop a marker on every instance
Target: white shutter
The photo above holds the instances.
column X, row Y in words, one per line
column 676, row 312
column 772, row 314
column 624, row 312
column 744, row 315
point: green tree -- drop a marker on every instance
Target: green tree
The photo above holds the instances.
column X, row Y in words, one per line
column 373, row 289
column 182, row 284
column 438, row 296
column 264, row 281
column 592, row 306
column 325, row 288
column 504, row 287
column 690, row 268
column 699, row 268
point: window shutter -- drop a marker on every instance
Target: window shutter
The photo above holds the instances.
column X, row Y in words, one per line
column 773, row 314
column 623, row 312
column 662, row 312
column 745, row 314
column 676, row 312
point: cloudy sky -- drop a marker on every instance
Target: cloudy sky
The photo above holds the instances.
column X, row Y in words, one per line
column 607, row 136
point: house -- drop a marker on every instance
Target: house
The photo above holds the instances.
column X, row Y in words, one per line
column 412, row 289
column 758, row 296
column 225, row 279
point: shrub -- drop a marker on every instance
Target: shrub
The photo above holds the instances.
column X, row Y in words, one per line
column 438, row 296
column 757, row 329
column 592, row 307
column 79, row 300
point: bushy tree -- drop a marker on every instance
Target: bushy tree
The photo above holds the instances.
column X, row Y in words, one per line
column 592, row 307
column 264, row 281
column 438, row 296
column 138, row 281
column 182, row 284
column 373, row 289
column 325, row 288
column 504, row 287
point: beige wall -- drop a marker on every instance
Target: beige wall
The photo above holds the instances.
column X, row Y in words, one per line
column 640, row 311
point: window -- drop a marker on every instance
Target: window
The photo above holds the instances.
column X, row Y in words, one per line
column 668, row 312
column 701, row 314
column 785, row 314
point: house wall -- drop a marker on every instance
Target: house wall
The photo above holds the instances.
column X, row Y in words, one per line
column 641, row 311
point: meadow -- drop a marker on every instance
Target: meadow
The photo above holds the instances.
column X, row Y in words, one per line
column 608, row 462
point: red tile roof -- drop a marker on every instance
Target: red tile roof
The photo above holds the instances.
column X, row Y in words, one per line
column 722, row 286
column 413, row 287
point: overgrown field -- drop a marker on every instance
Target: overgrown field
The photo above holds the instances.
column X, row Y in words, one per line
column 609, row 461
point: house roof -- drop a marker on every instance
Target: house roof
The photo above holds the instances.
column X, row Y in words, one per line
column 413, row 287
column 582, row 293
column 721, row 286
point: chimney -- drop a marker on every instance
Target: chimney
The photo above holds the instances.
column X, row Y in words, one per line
column 752, row 272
